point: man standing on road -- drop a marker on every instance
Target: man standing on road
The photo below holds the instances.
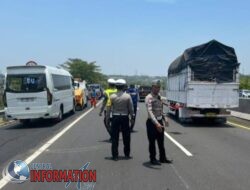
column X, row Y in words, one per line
column 155, row 128
column 122, row 108
column 134, row 95
column 93, row 97
column 106, row 105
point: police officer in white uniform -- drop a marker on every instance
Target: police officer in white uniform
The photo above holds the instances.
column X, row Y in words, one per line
column 155, row 124
column 122, row 111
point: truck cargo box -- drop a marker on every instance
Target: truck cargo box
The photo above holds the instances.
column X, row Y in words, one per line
column 203, row 77
column 212, row 61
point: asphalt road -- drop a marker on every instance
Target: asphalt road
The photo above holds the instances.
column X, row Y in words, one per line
column 220, row 154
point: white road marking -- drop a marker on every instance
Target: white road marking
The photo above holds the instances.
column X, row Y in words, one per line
column 175, row 142
column 237, row 125
column 180, row 177
column 178, row 144
column 4, row 181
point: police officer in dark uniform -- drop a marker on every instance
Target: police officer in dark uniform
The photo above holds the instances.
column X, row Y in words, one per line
column 155, row 124
column 134, row 95
column 122, row 111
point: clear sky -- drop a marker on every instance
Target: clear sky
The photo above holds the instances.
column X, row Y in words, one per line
column 122, row 36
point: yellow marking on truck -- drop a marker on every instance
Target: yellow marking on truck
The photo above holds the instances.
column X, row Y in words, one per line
column 238, row 125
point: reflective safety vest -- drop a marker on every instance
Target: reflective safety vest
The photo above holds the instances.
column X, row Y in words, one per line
column 109, row 92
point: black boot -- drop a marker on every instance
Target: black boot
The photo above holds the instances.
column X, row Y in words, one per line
column 167, row 161
column 155, row 162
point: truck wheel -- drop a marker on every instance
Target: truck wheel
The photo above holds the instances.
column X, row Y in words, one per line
column 177, row 114
column 86, row 102
column 25, row 122
column 182, row 120
column 83, row 104
column 222, row 120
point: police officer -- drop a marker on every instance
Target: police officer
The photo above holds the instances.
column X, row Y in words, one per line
column 106, row 105
column 134, row 95
column 122, row 110
column 155, row 128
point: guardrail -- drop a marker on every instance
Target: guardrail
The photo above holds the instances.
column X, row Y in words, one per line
column 2, row 116
column 244, row 106
column 1, row 112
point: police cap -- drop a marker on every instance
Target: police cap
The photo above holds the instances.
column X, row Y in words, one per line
column 111, row 81
column 156, row 82
column 120, row 82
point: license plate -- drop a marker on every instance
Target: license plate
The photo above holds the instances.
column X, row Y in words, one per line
column 210, row 114
column 27, row 99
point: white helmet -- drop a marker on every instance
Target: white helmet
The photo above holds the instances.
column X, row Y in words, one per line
column 111, row 81
column 120, row 82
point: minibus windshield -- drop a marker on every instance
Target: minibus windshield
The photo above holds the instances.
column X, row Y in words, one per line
column 26, row 83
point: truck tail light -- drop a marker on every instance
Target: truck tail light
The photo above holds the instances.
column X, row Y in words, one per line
column 49, row 97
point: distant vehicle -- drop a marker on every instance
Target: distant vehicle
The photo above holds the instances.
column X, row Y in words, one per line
column 244, row 93
column 203, row 82
column 143, row 92
column 81, row 94
column 98, row 89
column 37, row 91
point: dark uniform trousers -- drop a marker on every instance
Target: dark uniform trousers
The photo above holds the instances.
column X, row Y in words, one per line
column 107, row 125
column 135, row 111
column 153, row 135
column 120, row 122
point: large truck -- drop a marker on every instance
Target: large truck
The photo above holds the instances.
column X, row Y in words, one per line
column 203, row 82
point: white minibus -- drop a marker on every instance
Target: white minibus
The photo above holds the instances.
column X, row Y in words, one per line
column 37, row 91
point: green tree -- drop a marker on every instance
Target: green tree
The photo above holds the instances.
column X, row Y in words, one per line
column 244, row 82
column 84, row 70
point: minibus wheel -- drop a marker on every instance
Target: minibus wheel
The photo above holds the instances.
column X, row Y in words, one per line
column 74, row 107
column 60, row 115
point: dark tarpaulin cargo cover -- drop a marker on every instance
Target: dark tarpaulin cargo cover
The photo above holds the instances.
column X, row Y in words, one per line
column 212, row 61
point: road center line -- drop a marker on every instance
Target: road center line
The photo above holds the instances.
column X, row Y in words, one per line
column 178, row 144
column 237, row 125
column 4, row 182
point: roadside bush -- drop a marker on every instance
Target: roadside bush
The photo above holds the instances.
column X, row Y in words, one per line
column 1, row 102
